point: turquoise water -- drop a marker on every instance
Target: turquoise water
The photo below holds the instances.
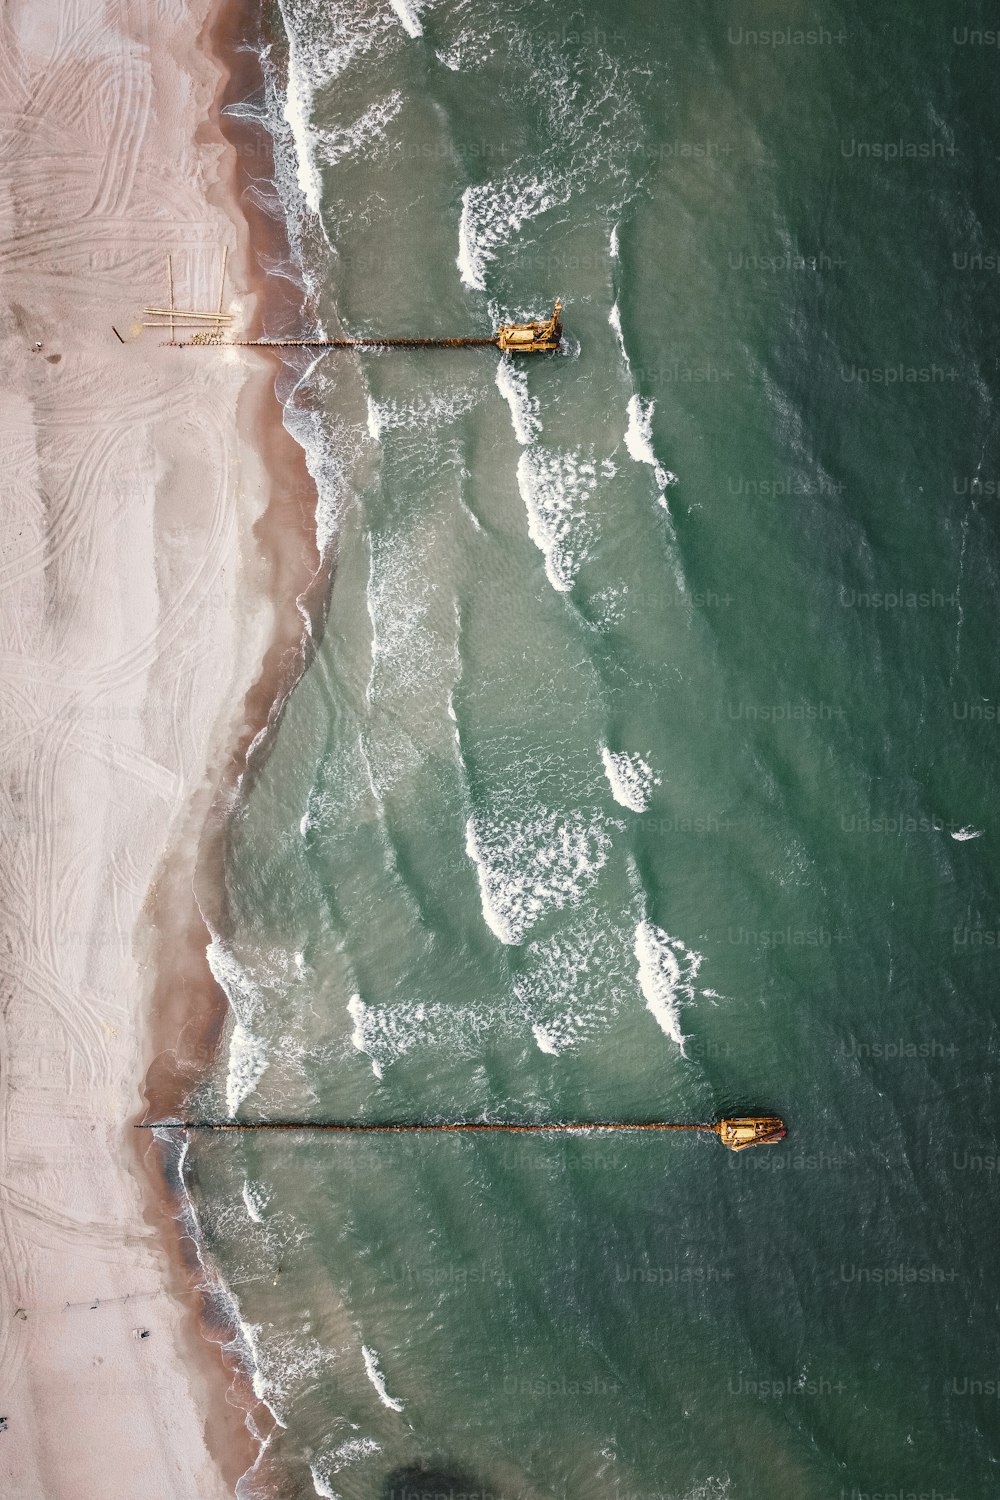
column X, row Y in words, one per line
column 645, row 767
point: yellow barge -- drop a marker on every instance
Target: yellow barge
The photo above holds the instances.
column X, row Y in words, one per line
column 531, row 338
column 751, row 1130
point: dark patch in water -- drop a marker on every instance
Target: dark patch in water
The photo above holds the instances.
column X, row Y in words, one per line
column 433, row 1480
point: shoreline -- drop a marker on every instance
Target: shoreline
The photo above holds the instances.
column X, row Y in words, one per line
column 189, row 1011
column 161, row 539
column 285, row 535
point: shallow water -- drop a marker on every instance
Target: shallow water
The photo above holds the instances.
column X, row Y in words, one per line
column 645, row 769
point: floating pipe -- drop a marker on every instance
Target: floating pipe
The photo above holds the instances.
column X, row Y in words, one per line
column 737, row 1133
column 541, row 337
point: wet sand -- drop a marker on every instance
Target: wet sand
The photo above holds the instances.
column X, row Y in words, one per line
column 158, row 533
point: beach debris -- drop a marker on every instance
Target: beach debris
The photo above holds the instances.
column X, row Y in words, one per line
column 117, row 335
column 140, row 1333
column 174, row 318
column 21, row 1312
column 3, row 1424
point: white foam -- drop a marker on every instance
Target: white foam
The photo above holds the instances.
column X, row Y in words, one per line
column 639, row 439
column 352, row 1452
column 399, row 596
column 555, row 487
column 614, row 242
column 494, row 212
column 711, row 1489
column 409, row 16
column 385, row 1033
column 615, row 319
column 331, row 448
column 667, row 971
column 364, row 134
column 374, row 1374
column 547, row 1040
column 426, row 412
column 247, row 1064
column 962, row 834
column 255, row 1200
column 472, row 272
column 570, row 985
column 524, row 409
column 360, row 1038
column 320, row 1484
column 281, row 1362
column 297, row 112
column 414, row 655
column 631, row 778
column 534, row 866
column 250, row 982
column 247, row 1052
column 638, row 433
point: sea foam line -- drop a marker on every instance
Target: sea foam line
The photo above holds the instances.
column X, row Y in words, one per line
column 374, row 1374
column 667, row 972
column 409, row 16
column 248, row 1056
column 296, row 114
column 471, row 270
column 555, row 487
column 494, row 211
column 352, row 1452
column 631, row 778
column 639, row 440
column 615, row 319
column 525, row 412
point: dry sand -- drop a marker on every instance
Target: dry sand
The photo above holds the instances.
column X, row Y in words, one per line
column 134, row 622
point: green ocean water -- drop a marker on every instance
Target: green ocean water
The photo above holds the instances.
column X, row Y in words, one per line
column 645, row 768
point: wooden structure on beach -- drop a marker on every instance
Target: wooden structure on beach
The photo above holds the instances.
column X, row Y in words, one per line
column 184, row 319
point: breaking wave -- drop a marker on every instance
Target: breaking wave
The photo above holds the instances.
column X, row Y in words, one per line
column 529, row 868
column 525, row 413
column 668, row 969
column 639, row 440
column 555, row 487
column 631, row 778
column 377, row 1379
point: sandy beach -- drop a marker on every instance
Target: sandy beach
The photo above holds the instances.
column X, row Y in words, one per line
column 136, row 624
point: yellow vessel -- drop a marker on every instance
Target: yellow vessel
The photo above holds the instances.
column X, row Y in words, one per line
column 750, row 1130
column 531, row 338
